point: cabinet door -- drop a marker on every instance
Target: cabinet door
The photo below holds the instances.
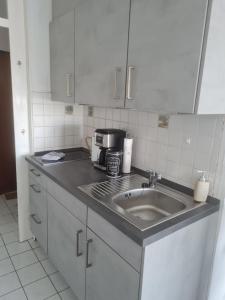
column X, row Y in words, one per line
column 38, row 213
column 101, row 52
column 108, row 276
column 165, row 47
column 62, row 58
column 66, row 246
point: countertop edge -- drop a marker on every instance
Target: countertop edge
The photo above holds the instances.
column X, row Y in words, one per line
column 142, row 238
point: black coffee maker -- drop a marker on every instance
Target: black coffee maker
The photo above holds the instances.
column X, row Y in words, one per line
column 108, row 139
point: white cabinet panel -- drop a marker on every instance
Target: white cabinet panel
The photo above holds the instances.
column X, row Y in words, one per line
column 108, row 276
column 62, row 58
column 165, row 47
column 101, row 52
column 66, row 246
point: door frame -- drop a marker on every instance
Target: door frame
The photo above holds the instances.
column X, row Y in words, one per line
column 19, row 71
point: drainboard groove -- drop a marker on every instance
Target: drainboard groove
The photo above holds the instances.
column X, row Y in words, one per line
column 111, row 187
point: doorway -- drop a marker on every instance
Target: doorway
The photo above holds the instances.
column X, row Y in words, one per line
column 7, row 146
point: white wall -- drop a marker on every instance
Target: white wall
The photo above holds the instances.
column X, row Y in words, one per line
column 51, row 127
column 4, row 39
column 166, row 150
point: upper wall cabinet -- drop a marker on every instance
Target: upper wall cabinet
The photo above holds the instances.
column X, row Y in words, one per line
column 164, row 54
column 62, row 57
column 176, row 56
column 101, row 52
column 175, row 60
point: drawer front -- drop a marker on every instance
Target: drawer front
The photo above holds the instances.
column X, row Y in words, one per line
column 75, row 206
column 38, row 213
column 37, row 175
column 124, row 246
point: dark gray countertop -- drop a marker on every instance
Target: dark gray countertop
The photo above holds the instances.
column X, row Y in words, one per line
column 69, row 175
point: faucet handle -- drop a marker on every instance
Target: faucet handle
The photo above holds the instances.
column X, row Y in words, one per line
column 150, row 173
column 153, row 177
column 159, row 176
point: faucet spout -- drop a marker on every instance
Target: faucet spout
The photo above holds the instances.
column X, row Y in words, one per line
column 153, row 178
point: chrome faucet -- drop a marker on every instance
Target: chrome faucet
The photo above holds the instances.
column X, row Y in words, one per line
column 153, row 178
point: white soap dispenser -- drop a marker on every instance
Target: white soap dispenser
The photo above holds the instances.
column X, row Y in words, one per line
column 201, row 188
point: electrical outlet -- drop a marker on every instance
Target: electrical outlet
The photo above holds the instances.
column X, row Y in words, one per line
column 69, row 109
column 90, row 111
column 163, row 121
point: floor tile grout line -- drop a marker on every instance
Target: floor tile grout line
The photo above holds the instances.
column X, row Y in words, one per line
column 12, row 210
column 39, row 261
column 16, row 273
column 52, row 296
column 45, row 270
column 48, row 275
column 20, row 252
column 12, row 292
column 10, row 230
column 27, row 284
column 7, row 274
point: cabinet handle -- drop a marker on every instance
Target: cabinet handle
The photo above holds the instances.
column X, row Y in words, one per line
column 35, row 189
column 79, row 253
column 33, row 171
column 118, row 72
column 68, row 89
column 88, row 264
column 129, row 82
column 35, row 219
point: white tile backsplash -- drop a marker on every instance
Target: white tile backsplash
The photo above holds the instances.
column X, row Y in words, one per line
column 51, row 128
column 189, row 143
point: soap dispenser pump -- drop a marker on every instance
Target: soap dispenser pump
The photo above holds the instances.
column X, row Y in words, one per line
column 201, row 188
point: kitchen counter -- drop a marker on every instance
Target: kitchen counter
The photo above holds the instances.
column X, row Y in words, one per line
column 72, row 174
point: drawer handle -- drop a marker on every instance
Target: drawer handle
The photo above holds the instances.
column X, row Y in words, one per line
column 33, row 171
column 35, row 189
column 35, row 219
column 79, row 253
column 88, row 264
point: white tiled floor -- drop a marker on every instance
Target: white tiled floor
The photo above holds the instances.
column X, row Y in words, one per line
column 25, row 271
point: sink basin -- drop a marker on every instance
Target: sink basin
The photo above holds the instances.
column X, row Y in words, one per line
column 148, row 204
column 142, row 207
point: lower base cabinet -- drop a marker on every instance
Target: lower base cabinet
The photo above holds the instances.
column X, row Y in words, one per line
column 66, row 246
column 96, row 261
column 108, row 276
column 87, row 263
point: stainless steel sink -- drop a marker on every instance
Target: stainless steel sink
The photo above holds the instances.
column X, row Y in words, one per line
column 142, row 207
column 148, row 204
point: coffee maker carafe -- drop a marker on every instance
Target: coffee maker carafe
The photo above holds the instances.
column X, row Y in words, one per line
column 108, row 139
